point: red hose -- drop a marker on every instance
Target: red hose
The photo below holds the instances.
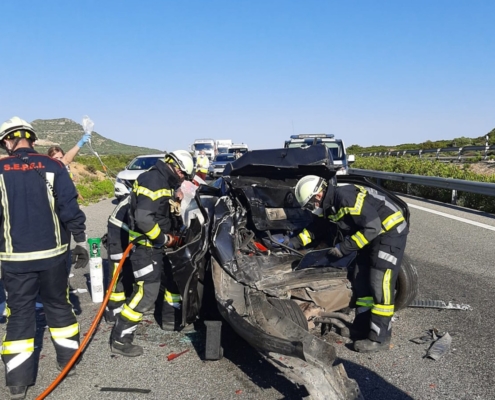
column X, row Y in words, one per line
column 91, row 330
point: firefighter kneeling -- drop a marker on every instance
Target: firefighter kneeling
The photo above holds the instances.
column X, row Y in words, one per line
column 150, row 216
column 377, row 230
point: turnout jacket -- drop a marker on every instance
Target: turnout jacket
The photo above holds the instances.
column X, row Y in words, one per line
column 150, row 206
column 38, row 211
column 118, row 230
column 364, row 214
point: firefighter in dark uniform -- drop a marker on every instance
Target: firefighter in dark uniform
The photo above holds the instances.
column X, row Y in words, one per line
column 38, row 212
column 150, row 216
column 376, row 228
column 117, row 239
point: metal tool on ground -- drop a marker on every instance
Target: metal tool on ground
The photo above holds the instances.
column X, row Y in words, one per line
column 439, row 304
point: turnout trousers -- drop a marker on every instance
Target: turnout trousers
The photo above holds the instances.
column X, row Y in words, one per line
column 374, row 284
column 18, row 345
column 118, row 295
column 147, row 266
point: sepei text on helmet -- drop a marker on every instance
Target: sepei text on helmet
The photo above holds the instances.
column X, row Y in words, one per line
column 183, row 160
column 17, row 128
column 307, row 188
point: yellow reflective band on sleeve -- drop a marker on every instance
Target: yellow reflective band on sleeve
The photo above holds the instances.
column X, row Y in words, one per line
column 133, row 235
column 365, row 301
column 138, row 296
column 153, row 195
column 18, row 346
column 173, row 299
column 393, row 220
column 130, row 314
column 305, row 237
column 65, row 332
column 383, row 309
column 355, row 210
column 153, row 233
column 120, row 296
column 360, row 240
column 387, row 290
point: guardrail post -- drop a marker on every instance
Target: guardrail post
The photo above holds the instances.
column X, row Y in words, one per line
column 454, row 197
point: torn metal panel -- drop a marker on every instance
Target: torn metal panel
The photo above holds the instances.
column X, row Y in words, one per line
column 440, row 304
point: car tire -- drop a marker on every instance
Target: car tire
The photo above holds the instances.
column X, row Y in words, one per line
column 290, row 309
column 407, row 286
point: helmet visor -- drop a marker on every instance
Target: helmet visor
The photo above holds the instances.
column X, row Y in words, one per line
column 312, row 203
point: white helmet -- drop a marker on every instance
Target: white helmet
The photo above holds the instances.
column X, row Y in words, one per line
column 16, row 127
column 307, row 187
column 184, row 161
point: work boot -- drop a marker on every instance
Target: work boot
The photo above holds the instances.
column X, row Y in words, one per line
column 71, row 372
column 369, row 346
column 17, row 392
column 126, row 349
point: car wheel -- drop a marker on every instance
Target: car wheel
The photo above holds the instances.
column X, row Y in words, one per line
column 290, row 309
column 407, row 284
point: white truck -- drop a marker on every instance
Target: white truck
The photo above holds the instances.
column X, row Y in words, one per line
column 336, row 147
column 207, row 145
column 223, row 145
column 238, row 148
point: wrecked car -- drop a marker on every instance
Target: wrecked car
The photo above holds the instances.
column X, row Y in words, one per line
column 262, row 286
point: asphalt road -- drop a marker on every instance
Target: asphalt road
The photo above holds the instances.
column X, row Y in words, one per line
column 455, row 263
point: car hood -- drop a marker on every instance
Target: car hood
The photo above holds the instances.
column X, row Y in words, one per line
column 130, row 174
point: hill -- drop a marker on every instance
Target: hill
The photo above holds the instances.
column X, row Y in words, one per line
column 457, row 142
column 66, row 133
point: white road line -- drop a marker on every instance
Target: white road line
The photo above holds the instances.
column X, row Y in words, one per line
column 467, row 221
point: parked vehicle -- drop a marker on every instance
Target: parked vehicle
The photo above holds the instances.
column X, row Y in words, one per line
column 242, row 148
column 217, row 166
column 223, row 145
column 336, row 146
column 257, row 282
column 125, row 179
column 206, row 145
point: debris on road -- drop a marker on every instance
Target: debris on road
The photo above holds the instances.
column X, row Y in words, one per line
column 125, row 390
column 430, row 336
column 173, row 356
column 440, row 347
column 440, row 304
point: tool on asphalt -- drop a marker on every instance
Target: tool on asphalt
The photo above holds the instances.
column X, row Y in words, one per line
column 173, row 356
column 440, row 304
column 95, row 270
column 125, row 390
column 93, row 326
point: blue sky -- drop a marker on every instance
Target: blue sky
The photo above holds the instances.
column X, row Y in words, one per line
column 163, row 73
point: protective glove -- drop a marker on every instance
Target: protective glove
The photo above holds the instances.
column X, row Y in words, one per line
column 335, row 252
column 85, row 139
column 80, row 255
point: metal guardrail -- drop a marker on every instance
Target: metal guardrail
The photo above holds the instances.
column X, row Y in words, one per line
column 420, row 152
column 435, row 181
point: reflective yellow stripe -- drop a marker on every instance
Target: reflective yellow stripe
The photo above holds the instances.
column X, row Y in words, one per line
column 130, row 314
column 50, row 176
column 355, row 210
column 360, row 240
column 153, row 195
column 153, row 233
column 117, row 296
column 65, row 332
column 383, row 309
column 34, row 255
column 365, row 301
column 204, row 170
column 6, row 216
column 386, row 286
column 393, row 220
column 172, row 298
column 138, row 297
column 133, row 235
column 18, row 346
column 305, row 237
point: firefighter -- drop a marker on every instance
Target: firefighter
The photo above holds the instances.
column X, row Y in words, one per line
column 116, row 241
column 202, row 165
column 150, row 215
column 38, row 212
column 376, row 228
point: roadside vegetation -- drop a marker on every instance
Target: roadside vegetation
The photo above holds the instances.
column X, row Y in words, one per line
column 417, row 166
